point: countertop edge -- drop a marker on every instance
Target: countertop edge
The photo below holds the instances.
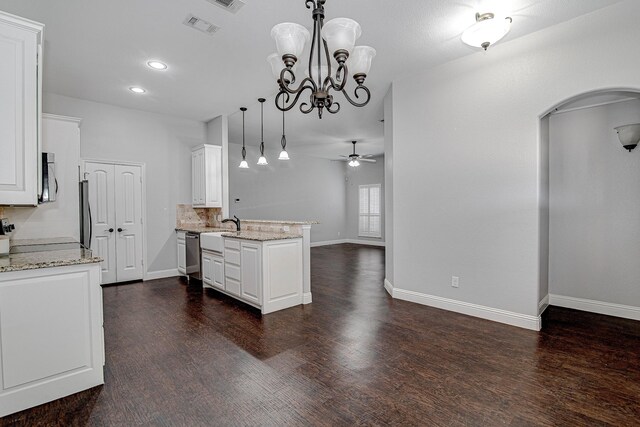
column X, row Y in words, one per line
column 51, row 264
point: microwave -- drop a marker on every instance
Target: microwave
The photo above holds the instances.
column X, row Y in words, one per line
column 49, row 181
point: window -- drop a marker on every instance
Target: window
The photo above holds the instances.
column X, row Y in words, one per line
column 369, row 218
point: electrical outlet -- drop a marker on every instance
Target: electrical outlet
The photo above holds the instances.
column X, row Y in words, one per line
column 455, row 281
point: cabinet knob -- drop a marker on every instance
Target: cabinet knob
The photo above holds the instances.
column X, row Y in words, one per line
column 111, row 230
column 120, row 230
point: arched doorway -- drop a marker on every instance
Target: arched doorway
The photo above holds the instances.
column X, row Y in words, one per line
column 590, row 205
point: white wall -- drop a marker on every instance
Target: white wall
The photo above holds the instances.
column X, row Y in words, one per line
column 365, row 174
column 595, row 206
column 466, row 156
column 162, row 142
column 388, row 185
column 302, row 189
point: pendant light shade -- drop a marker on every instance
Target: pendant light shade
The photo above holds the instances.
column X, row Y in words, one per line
column 290, row 38
column 243, row 163
column 262, row 161
column 283, row 142
column 341, row 34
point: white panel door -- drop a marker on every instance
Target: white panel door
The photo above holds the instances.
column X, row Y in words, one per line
column 103, row 217
column 128, row 216
column 18, row 111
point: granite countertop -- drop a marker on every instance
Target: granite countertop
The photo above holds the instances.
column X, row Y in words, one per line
column 273, row 221
column 44, row 258
column 261, row 236
column 198, row 230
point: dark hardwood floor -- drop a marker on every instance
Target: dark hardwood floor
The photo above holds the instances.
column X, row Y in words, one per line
column 178, row 356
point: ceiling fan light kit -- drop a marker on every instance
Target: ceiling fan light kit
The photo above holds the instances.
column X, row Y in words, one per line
column 335, row 39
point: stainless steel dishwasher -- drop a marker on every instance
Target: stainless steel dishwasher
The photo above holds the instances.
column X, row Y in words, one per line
column 193, row 256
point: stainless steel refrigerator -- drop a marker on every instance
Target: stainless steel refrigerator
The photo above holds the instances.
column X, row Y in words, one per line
column 85, row 215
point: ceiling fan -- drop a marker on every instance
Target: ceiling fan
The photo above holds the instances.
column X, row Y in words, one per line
column 355, row 159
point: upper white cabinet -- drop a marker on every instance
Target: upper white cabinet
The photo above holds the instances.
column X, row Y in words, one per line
column 20, row 108
column 206, row 176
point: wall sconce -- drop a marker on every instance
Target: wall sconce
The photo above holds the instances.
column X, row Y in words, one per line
column 629, row 135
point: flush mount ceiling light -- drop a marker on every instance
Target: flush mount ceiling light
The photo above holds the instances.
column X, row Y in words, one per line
column 629, row 136
column 243, row 163
column 136, row 89
column 337, row 37
column 157, row 65
column 487, row 30
column 262, row 161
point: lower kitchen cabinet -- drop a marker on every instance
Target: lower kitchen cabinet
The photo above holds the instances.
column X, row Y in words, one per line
column 267, row 275
column 182, row 253
column 212, row 270
column 52, row 338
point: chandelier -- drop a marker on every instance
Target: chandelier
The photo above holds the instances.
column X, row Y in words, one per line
column 338, row 37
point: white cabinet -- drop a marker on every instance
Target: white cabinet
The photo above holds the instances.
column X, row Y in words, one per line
column 267, row 275
column 52, row 338
column 250, row 272
column 182, row 253
column 20, row 109
column 212, row 270
column 206, row 176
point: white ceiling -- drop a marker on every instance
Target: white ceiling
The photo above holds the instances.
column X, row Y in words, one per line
column 96, row 50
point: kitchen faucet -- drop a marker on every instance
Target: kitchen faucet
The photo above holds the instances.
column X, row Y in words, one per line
column 236, row 221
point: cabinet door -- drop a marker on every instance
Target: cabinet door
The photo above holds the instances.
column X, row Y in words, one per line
column 251, row 273
column 213, row 176
column 218, row 272
column 207, row 269
column 19, row 110
column 182, row 257
column 198, row 177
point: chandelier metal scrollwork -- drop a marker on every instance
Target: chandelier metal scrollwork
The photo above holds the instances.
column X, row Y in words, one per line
column 338, row 36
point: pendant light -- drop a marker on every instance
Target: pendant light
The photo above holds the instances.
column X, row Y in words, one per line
column 283, row 154
column 262, row 161
column 243, row 163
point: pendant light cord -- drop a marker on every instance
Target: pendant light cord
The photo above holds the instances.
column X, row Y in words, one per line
column 283, row 141
column 261, row 126
column 244, row 150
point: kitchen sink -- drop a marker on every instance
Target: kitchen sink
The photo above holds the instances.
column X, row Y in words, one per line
column 212, row 241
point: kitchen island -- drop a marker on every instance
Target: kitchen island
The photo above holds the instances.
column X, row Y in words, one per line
column 267, row 264
column 51, row 337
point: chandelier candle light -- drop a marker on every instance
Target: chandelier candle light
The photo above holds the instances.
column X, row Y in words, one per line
column 337, row 36
column 243, row 163
column 262, row 161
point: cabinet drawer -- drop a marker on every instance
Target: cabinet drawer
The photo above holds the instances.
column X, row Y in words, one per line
column 232, row 286
column 232, row 244
column 232, row 271
column 232, row 256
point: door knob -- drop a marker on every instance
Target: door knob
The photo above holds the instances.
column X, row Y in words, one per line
column 111, row 230
column 120, row 230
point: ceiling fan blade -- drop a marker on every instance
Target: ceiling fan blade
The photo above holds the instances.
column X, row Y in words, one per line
column 365, row 156
column 346, row 157
column 367, row 160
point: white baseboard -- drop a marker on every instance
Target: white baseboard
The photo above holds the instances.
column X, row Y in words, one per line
column 388, row 286
column 366, row 242
column 343, row 241
column 497, row 315
column 306, row 298
column 152, row 275
column 328, row 243
column 607, row 308
column 543, row 304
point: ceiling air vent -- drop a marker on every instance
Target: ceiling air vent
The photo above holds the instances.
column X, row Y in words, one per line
column 200, row 25
column 229, row 5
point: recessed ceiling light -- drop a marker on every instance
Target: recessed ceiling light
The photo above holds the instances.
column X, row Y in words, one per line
column 157, row 65
column 137, row 89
